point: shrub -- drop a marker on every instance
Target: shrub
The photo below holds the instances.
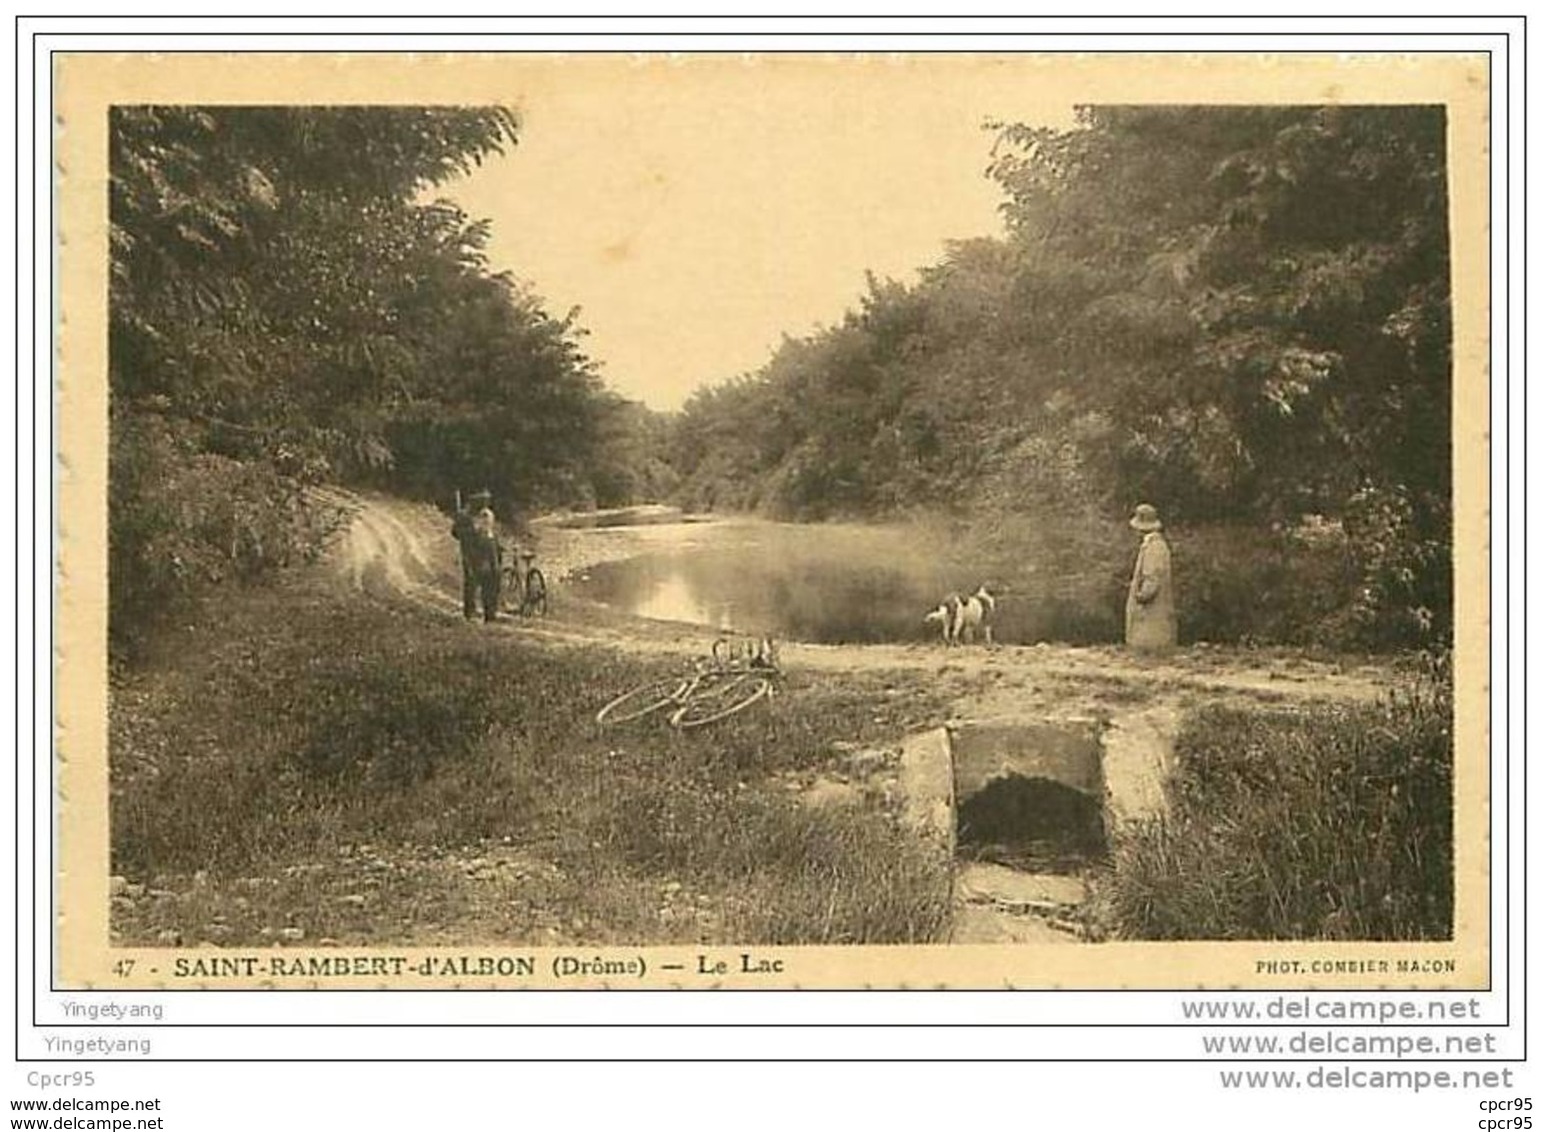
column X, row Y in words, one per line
column 1401, row 543
column 1243, row 585
column 182, row 521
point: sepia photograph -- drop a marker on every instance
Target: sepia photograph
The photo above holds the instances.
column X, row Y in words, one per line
column 766, row 520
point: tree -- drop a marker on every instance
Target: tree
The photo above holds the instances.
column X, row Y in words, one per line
column 287, row 307
column 1264, row 307
column 266, row 263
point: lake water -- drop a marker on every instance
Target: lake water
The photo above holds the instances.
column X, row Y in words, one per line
column 823, row 583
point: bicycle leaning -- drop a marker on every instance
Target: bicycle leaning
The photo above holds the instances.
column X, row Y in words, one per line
column 737, row 674
column 524, row 587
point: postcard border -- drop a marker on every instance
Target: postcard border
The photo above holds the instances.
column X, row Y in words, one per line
column 1511, row 881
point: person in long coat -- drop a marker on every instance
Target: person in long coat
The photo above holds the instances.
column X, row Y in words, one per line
column 1151, row 610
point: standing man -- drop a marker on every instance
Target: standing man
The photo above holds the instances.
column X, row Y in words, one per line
column 481, row 558
column 1150, row 611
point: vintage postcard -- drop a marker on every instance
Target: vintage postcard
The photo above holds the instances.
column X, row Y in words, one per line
column 826, row 520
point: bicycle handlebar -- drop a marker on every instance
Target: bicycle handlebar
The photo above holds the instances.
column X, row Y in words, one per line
column 761, row 652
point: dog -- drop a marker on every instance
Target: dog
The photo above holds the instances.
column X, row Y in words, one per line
column 962, row 617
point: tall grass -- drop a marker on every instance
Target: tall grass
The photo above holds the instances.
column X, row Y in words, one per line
column 1331, row 823
column 280, row 747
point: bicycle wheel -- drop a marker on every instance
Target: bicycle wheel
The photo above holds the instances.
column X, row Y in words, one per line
column 534, row 601
column 513, row 596
column 721, row 702
column 643, row 700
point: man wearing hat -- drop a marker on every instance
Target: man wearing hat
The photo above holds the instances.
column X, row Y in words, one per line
column 1150, row 612
column 481, row 558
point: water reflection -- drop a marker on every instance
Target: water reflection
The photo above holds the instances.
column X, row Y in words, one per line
column 826, row 584
column 669, row 595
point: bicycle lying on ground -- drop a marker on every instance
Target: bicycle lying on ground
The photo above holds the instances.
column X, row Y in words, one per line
column 736, row 675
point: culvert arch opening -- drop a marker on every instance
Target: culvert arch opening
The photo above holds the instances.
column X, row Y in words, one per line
column 1030, row 795
column 1031, row 822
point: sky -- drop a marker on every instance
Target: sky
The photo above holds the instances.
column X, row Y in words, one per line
column 699, row 208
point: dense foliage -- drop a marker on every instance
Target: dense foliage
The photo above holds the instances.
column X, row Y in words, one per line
column 1239, row 314
column 288, row 306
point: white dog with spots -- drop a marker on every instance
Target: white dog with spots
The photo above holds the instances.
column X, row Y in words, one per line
column 962, row 618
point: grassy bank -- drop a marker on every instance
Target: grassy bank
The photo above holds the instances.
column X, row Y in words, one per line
column 358, row 771
column 1332, row 823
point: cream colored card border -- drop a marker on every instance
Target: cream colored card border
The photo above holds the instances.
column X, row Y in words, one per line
column 86, row 85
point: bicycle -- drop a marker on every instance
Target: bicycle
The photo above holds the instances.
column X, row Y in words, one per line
column 524, row 590
column 736, row 675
